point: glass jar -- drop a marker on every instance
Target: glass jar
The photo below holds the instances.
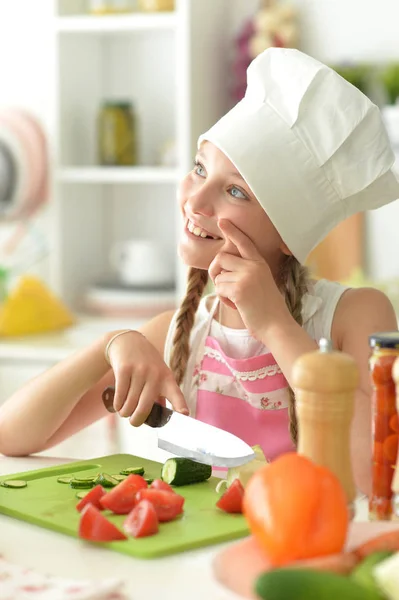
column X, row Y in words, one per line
column 116, row 134
column 385, row 350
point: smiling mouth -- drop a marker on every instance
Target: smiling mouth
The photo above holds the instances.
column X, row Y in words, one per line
column 199, row 232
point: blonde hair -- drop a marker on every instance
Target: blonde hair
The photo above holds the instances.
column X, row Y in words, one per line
column 293, row 282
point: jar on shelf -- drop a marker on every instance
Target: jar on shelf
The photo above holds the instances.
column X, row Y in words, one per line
column 156, row 5
column 116, row 133
column 385, row 350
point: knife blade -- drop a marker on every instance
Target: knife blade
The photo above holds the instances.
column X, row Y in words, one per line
column 188, row 437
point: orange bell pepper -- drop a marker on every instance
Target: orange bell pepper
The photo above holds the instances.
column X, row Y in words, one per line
column 296, row 510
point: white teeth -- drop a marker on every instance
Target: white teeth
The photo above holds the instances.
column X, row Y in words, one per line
column 198, row 231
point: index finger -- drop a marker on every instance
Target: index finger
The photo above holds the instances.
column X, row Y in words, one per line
column 243, row 243
column 173, row 393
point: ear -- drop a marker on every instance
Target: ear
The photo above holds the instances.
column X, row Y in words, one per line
column 284, row 249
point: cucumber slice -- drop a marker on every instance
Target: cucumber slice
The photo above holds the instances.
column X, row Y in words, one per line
column 65, row 479
column 119, row 477
column 81, row 495
column 92, row 478
column 148, row 480
column 76, row 484
column 14, row 483
column 133, row 471
column 105, row 480
column 183, row 471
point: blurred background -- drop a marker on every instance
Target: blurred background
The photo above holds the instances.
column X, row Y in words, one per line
column 101, row 104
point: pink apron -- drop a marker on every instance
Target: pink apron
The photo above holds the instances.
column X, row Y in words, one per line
column 248, row 397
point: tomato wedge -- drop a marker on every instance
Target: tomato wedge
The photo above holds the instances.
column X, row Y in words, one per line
column 158, row 484
column 231, row 501
column 167, row 504
column 93, row 526
column 92, row 497
column 142, row 520
column 122, row 498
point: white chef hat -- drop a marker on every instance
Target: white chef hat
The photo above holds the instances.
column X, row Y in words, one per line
column 312, row 147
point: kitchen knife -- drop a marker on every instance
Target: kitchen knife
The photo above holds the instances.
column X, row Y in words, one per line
column 185, row 436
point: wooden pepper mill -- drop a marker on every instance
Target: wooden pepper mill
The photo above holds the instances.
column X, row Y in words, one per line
column 395, row 481
column 325, row 382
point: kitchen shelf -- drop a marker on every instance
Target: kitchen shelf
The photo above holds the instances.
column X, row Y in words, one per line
column 116, row 23
column 112, row 175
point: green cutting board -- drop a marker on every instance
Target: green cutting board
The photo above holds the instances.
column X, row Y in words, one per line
column 50, row 504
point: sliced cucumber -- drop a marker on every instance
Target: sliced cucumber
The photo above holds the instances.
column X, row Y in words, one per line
column 105, row 480
column 81, row 495
column 91, row 478
column 80, row 485
column 65, row 479
column 14, row 483
column 182, row 471
column 132, row 471
column 119, row 477
column 148, row 480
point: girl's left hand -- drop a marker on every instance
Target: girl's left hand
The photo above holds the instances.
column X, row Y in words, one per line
column 246, row 283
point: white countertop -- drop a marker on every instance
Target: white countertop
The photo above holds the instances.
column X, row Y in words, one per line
column 184, row 576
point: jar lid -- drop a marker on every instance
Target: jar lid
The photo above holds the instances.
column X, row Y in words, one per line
column 388, row 339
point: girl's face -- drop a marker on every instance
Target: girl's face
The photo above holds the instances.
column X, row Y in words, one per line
column 215, row 190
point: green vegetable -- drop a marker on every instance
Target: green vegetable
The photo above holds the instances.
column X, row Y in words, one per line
column 148, row 480
column 386, row 574
column 305, row 584
column 363, row 572
column 65, row 479
column 133, row 471
column 81, row 495
column 76, row 484
column 118, row 477
column 182, row 471
column 105, row 480
column 14, row 483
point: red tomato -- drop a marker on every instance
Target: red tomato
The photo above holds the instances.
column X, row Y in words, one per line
column 158, row 484
column 122, row 498
column 93, row 497
column 93, row 526
column 167, row 504
column 142, row 520
column 231, row 501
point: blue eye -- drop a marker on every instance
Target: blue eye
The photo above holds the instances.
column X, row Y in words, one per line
column 199, row 169
column 237, row 193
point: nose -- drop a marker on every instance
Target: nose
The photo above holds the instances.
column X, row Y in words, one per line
column 201, row 202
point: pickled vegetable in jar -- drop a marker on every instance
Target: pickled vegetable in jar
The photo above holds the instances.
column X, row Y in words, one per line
column 385, row 350
column 116, row 133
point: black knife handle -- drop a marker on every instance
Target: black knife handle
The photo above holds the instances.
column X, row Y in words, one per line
column 158, row 416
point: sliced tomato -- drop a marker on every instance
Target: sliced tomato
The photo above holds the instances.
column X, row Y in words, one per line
column 158, row 484
column 167, row 504
column 231, row 501
column 93, row 526
column 142, row 520
column 92, row 497
column 122, row 498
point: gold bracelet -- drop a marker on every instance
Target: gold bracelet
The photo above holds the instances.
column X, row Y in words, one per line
column 108, row 346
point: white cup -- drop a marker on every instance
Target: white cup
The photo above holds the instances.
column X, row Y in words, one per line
column 143, row 262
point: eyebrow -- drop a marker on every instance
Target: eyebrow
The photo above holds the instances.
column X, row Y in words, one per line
column 230, row 174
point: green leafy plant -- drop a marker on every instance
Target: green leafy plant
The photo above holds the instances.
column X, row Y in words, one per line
column 357, row 74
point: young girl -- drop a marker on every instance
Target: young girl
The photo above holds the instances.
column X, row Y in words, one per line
column 301, row 152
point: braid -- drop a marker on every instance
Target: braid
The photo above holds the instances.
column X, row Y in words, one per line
column 197, row 280
column 295, row 279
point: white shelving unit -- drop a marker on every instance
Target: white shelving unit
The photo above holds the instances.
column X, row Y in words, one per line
column 174, row 68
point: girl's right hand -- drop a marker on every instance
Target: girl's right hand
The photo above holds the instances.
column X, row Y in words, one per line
column 141, row 378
